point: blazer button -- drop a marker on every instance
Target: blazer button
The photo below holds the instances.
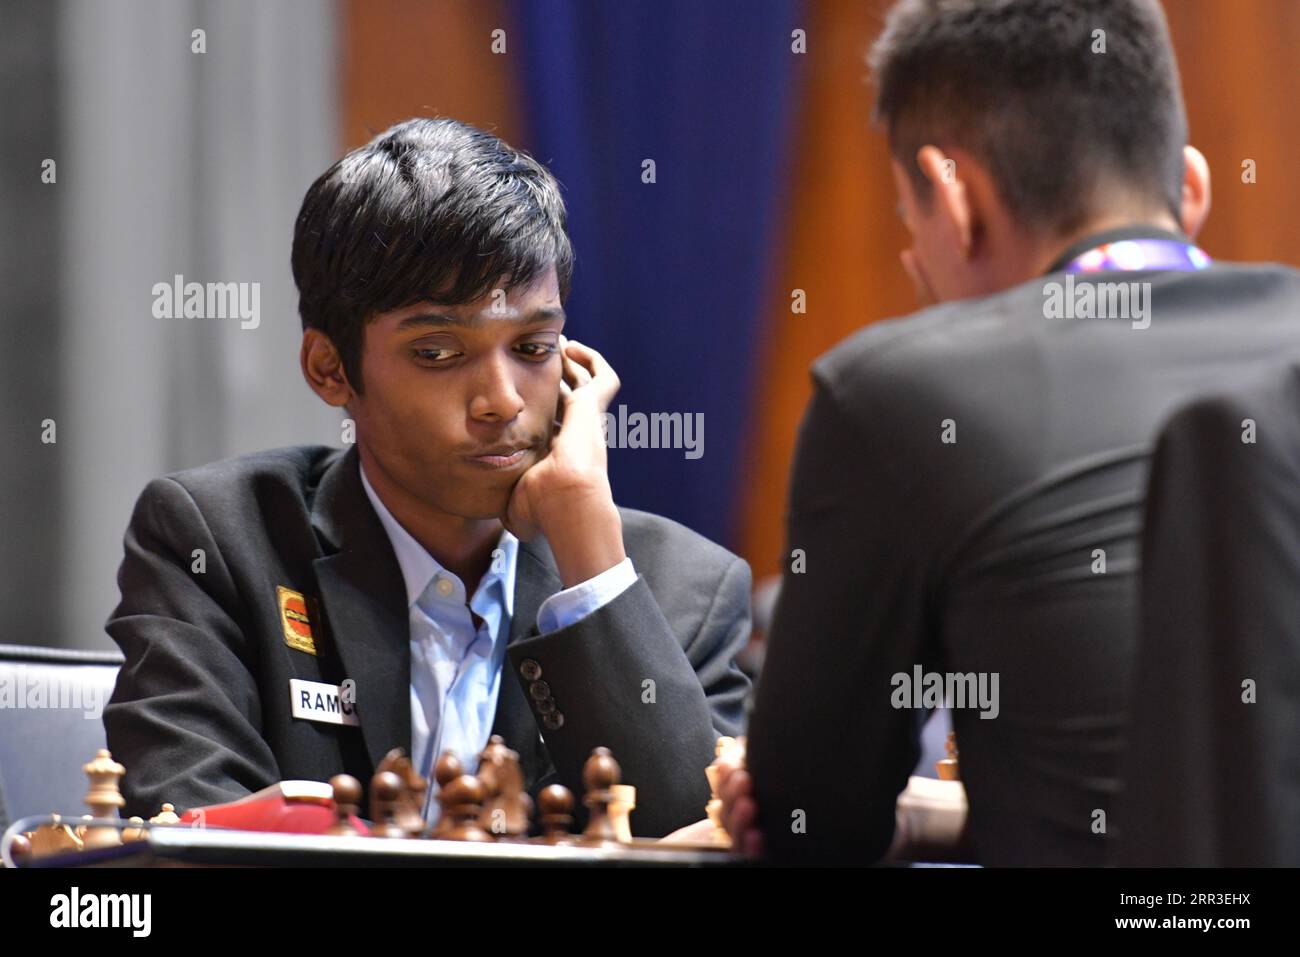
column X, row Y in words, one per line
column 546, row 706
column 539, row 690
column 530, row 669
column 553, row 721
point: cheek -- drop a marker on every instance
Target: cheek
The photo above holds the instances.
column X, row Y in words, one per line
column 540, row 386
column 416, row 415
column 938, row 259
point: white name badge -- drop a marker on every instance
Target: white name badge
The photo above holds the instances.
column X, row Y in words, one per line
column 317, row 701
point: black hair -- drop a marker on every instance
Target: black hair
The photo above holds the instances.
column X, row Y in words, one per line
column 431, row 209
column 1017, row 85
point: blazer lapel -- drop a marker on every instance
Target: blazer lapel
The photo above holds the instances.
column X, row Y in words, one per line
column 536, row 579
column 365, row 605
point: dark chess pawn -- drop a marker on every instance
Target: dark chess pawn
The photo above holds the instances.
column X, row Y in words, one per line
column 347, row 800
column 410, row 806
column 555, row 811
column 599, row 775
column 386, row 793
column 462, row 803
column 445, row 771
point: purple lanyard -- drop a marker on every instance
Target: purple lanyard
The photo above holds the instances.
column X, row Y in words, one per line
column 1129, row 255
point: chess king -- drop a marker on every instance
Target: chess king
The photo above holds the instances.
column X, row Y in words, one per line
column 460, row 568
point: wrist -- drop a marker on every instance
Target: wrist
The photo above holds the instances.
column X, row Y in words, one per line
column 586, row 540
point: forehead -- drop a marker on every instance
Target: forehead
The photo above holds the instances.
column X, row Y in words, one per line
column 537, row 302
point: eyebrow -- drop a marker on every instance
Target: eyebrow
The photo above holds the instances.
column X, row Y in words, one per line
column 439, row 319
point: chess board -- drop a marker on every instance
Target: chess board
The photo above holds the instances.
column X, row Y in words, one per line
column 192, row 847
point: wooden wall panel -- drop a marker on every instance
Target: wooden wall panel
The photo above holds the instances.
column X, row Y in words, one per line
column 405, row 58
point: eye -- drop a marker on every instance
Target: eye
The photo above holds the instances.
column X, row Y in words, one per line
column 434, row 356
column 537, row 350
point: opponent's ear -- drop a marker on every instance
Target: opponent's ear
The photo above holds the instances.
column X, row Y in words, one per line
column 1195, row 205
column 322, row 367
column 949, row 197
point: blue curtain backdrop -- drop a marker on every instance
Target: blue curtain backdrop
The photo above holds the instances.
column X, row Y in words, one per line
column 672, row 277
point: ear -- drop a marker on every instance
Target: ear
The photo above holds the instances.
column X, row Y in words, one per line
column 950, row 199
column 1195, row 205
column 323, row 369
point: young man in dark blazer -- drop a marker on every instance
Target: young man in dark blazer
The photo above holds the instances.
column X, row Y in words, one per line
column 461, row 569
column 967, row 491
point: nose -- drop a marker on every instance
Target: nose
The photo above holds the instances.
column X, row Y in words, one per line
column 494, row 397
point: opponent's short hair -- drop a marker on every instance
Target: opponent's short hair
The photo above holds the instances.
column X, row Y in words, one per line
column 1017, row 84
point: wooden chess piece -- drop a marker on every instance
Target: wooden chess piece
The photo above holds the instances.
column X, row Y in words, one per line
column 555, row 811
column 104, row 799
column 167, row 815
column 409, row 813
column 411, row 810
column 347, row 799
column 54, row 838
column 507, row 807
column 386, row 792
column 20, row 849
column 713, row 809
column 947, row 768
column 620, row 811
column 136, row 833
column 447, row 769
column 462, row 803
column 599, row 775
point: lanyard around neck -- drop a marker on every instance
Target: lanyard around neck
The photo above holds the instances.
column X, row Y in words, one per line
column 1129, row 255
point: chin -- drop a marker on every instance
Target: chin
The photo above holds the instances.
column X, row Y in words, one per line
column 482, row 504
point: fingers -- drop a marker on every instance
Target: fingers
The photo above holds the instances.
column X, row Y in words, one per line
column 740, row 812
column 735, row 789
column 744, row 815
column 736, row 785
column 592, row 366
column 743, row 828
column 576, row 374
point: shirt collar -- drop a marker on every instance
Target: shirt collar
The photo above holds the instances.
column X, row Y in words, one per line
column 419, row 567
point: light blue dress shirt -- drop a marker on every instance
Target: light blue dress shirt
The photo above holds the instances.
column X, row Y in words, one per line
column 456, row 667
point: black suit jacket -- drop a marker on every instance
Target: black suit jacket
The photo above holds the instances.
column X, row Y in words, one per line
column 201, row 712
column 981, row 555
column 1212, row 777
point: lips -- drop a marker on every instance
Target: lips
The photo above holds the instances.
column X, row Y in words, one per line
column 500, row 456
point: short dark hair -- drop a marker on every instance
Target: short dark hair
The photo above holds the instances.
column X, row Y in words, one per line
column 431, row 209
column 1015, row 83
